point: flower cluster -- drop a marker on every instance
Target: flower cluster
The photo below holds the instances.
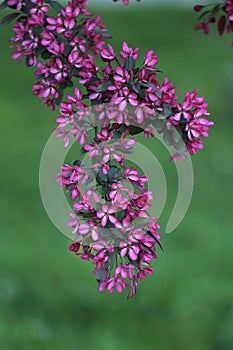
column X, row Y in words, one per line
column 221, row 12
column 135, row 97
column 58, row 45
column 118, row 99
column 110, row 219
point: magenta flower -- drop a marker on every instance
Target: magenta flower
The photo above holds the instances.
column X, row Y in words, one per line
column 121, row 75
column 151, row 60
column 74, row 59
column 59, row 69
column 203, row 26
column 130, row 249
column 16, row 3
column 113, row 282
column 108, row 54
column 106, row 214
column 127, row 52
column 74, row 222
column 131, row 174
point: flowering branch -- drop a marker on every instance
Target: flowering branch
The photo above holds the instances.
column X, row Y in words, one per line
column 221, row 13
column 119, row 99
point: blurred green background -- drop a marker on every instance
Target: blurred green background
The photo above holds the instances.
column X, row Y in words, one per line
column 48, row 297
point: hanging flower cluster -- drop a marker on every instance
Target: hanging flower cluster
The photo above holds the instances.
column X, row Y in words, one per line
column 222, row 13
column 110, row 219
column 58, row 45
column 136, row 97
column 118, row 99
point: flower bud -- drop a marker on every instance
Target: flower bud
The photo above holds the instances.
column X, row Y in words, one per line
column 198, row 8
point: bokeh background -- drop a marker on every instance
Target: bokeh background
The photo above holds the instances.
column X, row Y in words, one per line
column 48, row 297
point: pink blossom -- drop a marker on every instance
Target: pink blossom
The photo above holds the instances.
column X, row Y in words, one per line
column 203, row 26
column 130, row 249
column 79, row 133
column 144, row 271
column 106, row 214
column 16, row 3
column 74, row 59
column 74, row 222
column 151, row 60
column 127, row 52
column 62, row 133
column 177, row 157
column 74, row 247
column 59, row 69
column 113, row 282
column 108, row 54
column 121, row 75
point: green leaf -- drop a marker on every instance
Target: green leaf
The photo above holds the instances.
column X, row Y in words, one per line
column 46, row 54
column 3, row 5
column 130, row 63
column 168, row 139
column 103, row 86
column 112, row 259
column 100, row 276
column 101, row 178
column 114, row 173
column 148, row 85
column 203, row 15
column 180, row 147
column 216, row 10
column 39, row 50
column 97, row 30
column 8, row 18
column 167, row 110
column 56, row 6
column 82, row 151
column 134, row 130
column 76, row 162
column 158, row 94
column 69, row 83
column 59, row 99
column 139, row 222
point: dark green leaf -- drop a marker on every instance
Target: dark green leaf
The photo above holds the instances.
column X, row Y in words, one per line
column 39, row 50
column 103, row 86
column 3, row 5
column 46, row 54
column 203, row 15
column 167, row 111
column 180, row 147
column 59, row 99
column 101, row 178
column 167, row 137
column 100, row 276
column 76, row 162
column 112, row 259
column 82, row 151
column 69, row 83
column 97, row 30
column 134, row 130
column 158, row 94
column 8, row 18
column 139, row 222
column 56, row 6
column 148, row 85
column 130, row 63
column 216, row 9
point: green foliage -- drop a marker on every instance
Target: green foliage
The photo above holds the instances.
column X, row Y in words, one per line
column 8, row 19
